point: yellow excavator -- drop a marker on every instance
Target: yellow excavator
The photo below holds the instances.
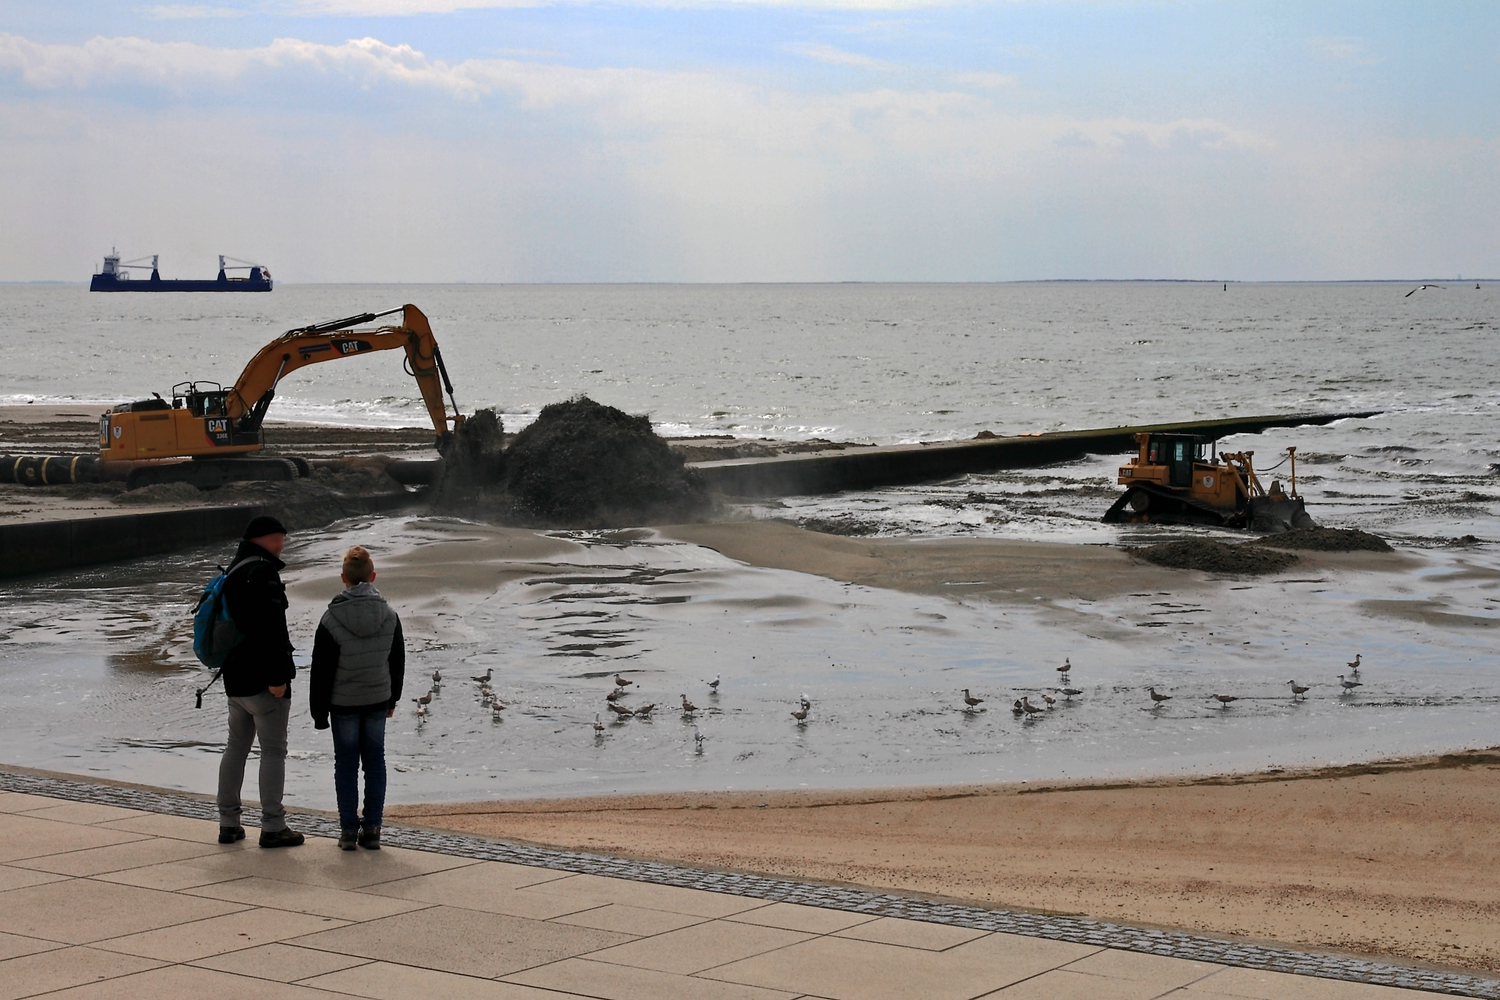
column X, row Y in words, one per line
column 218, row 430
column 1174, row 479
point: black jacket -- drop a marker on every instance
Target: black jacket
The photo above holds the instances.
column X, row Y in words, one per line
column 256, row 599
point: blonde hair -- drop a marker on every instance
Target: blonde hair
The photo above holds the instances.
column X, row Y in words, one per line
column 358, row 566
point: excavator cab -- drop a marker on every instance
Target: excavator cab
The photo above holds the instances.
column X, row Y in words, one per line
column 201, row 399
column 1179, row 479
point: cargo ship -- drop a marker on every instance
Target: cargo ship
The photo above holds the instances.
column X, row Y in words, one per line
column 116, row 277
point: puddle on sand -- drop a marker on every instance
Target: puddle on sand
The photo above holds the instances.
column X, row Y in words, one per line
column 96, row 671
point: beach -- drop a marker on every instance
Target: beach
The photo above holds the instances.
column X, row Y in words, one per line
column 1394, row 859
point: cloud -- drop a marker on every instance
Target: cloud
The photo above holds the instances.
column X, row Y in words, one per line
column 163, row 12
column 839, row 57
column 985, row 78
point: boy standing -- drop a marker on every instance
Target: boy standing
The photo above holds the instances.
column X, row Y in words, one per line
column 358, row 664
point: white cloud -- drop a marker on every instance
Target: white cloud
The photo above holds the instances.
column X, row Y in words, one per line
column 171, row 12
column 1348, row 50
column 986, row 79
column 839, row 57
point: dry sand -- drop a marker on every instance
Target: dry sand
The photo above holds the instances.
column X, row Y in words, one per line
column 1397, row 859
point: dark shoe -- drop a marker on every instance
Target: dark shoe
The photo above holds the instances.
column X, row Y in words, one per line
column 281, row 838
column 347, row 840
column 369, row 838
column 229, row 834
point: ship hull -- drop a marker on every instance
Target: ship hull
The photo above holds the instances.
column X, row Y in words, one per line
column 110, row 283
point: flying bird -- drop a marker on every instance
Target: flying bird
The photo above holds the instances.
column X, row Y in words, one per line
column 1420, row 287
column 1298, row 690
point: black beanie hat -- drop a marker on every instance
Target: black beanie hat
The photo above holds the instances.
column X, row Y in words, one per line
column 263, row 525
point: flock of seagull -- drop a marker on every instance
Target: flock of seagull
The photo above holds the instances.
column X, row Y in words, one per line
column 1021, row 707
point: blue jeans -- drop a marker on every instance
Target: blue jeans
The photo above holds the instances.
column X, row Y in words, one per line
column 359, row 739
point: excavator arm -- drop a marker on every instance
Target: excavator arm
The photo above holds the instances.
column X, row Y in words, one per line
column 251, row 396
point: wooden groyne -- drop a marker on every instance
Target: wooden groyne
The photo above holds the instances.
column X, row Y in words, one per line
column 896, row 465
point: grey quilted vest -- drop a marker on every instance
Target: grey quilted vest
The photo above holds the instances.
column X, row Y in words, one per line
column 364, row 625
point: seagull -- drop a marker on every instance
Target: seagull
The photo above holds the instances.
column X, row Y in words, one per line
column 1067, row 664
column 495, row 711
column 1420, row 287
column 1353, row 664
column 1068, row 693
column 421, row 712
column 620, row 710
column 496, row 703
column 801, row 714
column 645, row 710
column 486, row 694
column 426, row 699
column 1016, row 707
column 805, row 702
column 598, row 726
column 1298, row 690
column 688, row 708
column 1349, row 685
column 437, row 677
column 615, row 695
column 1049, row 700
column 698, row 738
column 1158, row 698
column 1225, row 699
column 623, row 682
column 485, row 677
column 971, row 701
column 713, row 685
column 1028, row 707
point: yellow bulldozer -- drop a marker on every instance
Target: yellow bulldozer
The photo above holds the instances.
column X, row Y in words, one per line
column 1183, row 479
column 208, row 435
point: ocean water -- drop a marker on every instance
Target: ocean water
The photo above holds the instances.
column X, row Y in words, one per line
column 96, row 671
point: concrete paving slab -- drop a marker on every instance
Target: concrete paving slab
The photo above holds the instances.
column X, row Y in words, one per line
column 281, row 963
column 795, row 917
column 467, row 942
column 320, row 862
column 312, row 899
column 385, row 981
column 1169, row 972
column 186, row 982
column 63, row 968
column 117, row 857
column 175, row 827
column 24, row 836
column 649, row 895
column 585, row 977
column 16, row 945
column 215, row 935
column 1063, row 985
column 19, row 878
column 488, row 886
column 82, row 911
column 1258, row 985
column 629, row 919
column 702, row 946
column 21, row 802
column 912, row 934
column 844, row 969
column 170, row 877
column 86, row 813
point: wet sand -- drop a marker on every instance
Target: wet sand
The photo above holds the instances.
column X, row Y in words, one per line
column 1397, row 859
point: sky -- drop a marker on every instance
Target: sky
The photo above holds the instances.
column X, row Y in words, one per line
column 752, row 140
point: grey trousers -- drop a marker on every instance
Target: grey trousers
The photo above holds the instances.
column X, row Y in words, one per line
column 260, row 717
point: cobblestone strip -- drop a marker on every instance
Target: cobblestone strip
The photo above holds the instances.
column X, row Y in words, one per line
column 1174, row 944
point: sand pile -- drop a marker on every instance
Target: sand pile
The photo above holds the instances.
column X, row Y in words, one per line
column 1212, row 556
column 475, row 462
column 1327, row 540
column 582, row 464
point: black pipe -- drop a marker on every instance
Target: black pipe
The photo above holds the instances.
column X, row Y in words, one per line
column 48, row 470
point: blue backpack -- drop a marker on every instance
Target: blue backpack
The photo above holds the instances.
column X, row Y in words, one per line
column 214, row 631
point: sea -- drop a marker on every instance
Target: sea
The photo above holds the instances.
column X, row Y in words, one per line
column 96, row 670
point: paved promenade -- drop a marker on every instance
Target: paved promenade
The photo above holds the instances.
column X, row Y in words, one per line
column 99, row 900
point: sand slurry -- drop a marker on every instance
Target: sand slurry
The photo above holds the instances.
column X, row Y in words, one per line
column 1391, row 859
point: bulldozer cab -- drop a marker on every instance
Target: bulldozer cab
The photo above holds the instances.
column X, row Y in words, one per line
column 1178, row 452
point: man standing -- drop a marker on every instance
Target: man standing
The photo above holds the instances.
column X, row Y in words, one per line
column 258, row 676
